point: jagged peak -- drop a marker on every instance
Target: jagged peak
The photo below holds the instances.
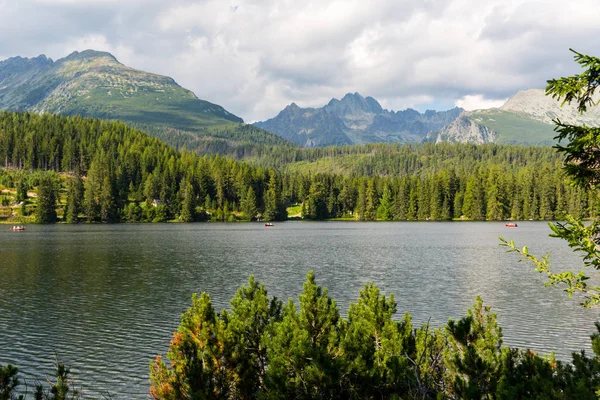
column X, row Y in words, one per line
column 41, row 59
column 352, row 96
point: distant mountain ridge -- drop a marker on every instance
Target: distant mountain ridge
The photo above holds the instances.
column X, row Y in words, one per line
column 94, row 84
column 355, row 120
column 526, row 118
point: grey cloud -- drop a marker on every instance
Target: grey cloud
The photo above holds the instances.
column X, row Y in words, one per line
column 255, row 57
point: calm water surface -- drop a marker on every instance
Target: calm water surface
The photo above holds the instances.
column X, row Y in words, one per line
column 106, row 298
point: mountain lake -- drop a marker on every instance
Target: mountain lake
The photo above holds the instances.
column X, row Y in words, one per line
column 105, row 299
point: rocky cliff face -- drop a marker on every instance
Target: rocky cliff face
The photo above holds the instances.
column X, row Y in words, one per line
column 354, row 120
column 535, row 104
column 466, row 130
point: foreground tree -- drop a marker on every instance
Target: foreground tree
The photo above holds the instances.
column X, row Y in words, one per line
column 60, row 388
column 582, row 166
column 218, row 356
column 308, row 351
column 303, row 358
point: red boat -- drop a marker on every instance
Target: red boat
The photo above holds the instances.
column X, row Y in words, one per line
column 269, row 224
column 17, row 228
column 511, row 225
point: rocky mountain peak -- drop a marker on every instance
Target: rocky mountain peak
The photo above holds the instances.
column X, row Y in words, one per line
column 90, row 55
column 354, row 103
column 354, row 120
column 535, row 104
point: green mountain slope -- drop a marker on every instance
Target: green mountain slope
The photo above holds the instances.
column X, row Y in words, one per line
column 95, row 84
column 515, row 128
column 526, row 118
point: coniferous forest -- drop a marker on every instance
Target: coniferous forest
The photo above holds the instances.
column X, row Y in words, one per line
column 78, row 169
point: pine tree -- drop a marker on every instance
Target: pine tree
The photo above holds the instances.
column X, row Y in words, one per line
column 274, row 208
column 188, row 204
column 385, row 209
column 371, row 197
column 74, row 199
column 46, row 202
column 302, row 349
column 106, row 201
column 196, row 356
column 249, row 204
column 22, row 187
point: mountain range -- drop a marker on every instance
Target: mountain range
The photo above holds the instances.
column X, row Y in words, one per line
column 94, row 84
column 355, row 120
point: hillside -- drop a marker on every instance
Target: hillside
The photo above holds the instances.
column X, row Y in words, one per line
column 355, row 120
column 526, row 118
column 95, row 84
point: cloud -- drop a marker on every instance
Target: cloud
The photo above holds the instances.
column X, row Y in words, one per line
column 478, row 102
column 256, row 56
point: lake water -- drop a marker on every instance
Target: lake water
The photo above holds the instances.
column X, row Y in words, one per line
column 106, row 298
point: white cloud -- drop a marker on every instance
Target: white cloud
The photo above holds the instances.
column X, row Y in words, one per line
column 256, row 56
column 478, row 102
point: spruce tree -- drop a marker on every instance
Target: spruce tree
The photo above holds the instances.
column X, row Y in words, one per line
column 46, row 201
column 74, row 199
column 188, row 204
column 249, row 204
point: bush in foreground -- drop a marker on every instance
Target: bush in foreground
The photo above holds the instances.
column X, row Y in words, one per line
column 265, row 349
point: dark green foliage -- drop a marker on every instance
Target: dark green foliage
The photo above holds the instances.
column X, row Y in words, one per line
column 74, row 199
column 8, row 382
column 119, row 165
column 218, row 356
column 60, row 389
column 308, row 351
column 46, row 203
column 21, row 189
column 248, row 204
column 303, row 361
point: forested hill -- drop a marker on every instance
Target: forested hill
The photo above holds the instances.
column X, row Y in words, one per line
column 109, row 172
column 95, row 84
column 381, row 159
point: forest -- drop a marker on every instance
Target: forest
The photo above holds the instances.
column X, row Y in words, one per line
column 79, row 169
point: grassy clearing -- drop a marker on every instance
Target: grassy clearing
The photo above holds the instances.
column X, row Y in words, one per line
column 295, row 211
column 513, row 128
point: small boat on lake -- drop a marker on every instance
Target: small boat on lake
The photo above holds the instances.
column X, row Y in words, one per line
column 511, row 225
column 17, row 228
column 269, row 224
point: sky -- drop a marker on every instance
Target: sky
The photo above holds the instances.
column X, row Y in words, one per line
column 256, row 57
